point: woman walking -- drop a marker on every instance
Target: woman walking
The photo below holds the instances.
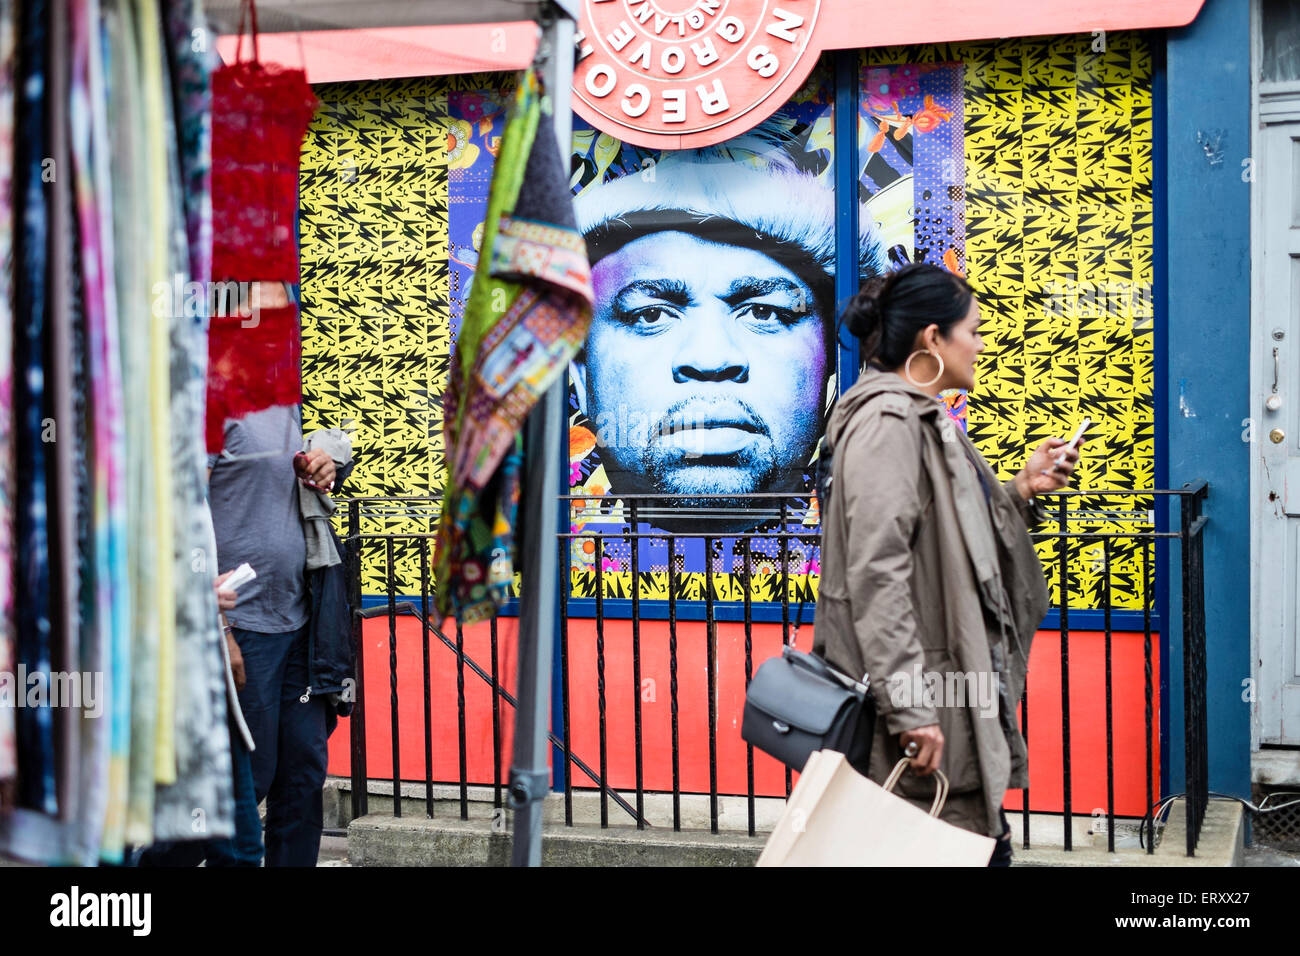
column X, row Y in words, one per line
column 930, row 583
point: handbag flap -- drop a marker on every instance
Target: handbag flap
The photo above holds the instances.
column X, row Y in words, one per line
column 796, row 696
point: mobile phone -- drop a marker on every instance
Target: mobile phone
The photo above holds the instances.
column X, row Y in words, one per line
column 1078, row 433
column 1073, row 442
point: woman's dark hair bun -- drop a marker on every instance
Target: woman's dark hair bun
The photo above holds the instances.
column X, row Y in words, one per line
column 865, row 313
column 888, row 312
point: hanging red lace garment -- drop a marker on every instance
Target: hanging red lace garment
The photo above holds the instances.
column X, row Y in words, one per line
column 260, row 113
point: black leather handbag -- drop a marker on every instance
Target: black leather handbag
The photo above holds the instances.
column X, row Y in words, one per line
column 798, row 703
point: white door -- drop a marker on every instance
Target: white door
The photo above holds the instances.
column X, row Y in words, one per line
column 1276, row 426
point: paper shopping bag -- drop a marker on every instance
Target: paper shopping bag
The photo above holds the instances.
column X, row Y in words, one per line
column 837, row 817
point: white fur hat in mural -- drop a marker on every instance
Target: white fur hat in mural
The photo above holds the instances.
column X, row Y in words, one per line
column 747, row 191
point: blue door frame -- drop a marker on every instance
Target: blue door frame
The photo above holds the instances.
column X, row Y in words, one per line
column 1204, row 263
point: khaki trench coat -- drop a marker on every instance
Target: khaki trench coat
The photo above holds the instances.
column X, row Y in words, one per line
column 931, row 590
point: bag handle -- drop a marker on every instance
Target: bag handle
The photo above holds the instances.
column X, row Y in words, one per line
column 245, row 9
column 940, row 785
column 823, row 668
column 249, row 7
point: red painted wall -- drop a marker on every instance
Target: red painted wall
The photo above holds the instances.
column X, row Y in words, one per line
column 1087, row 709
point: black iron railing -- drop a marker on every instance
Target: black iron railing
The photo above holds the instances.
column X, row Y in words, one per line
column 1196, row 741
column 760, row 553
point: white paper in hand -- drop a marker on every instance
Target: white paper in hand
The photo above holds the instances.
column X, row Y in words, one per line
column 239, row 577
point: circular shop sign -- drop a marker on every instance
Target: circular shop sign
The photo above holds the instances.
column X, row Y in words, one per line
column 672, row 74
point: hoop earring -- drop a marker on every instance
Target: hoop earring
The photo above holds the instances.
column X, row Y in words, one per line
column 907, row 368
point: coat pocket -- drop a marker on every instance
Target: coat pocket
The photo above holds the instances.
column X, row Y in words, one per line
column 951, row 695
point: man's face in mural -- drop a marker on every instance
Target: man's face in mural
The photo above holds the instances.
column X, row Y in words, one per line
column 705, row 368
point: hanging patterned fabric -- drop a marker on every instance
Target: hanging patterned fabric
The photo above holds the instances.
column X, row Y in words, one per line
column 106, row 635
column 129, row 188
column 84, row 771
column 534, row 262
column 192, row 67
column 261, row 112
column 62, row 386
column 201, row 801
column 260, row 115
column 8, row 53
column 157, row 263
column 253, row 362
column 35, row 724
column 103, row 412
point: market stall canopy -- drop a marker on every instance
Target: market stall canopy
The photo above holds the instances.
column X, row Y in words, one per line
column 331, row 14
column 340, row 40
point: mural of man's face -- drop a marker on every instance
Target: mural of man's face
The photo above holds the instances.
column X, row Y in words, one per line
column 704, row 370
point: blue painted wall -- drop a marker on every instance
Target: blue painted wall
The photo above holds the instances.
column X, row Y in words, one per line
column 1207, row 359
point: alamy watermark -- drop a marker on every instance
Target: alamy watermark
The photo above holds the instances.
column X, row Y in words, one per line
column 80, row 689
column 74, row 908
column 975, row 689
column 193, row 299
column 1133, row 301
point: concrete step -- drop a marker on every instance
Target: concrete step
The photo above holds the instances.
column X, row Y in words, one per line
column 1221, row 844
column 694, row 809
column 694, row 812
column 380, row 839
column 1276, row 767
column 375, row 840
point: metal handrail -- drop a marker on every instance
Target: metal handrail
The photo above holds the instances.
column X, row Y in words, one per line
column 408, row 607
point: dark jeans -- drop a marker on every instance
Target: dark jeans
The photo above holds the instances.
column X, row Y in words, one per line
column 244, row 848
column 1002, row 851
column 290, row 734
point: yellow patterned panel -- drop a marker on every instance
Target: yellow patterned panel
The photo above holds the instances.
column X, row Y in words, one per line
column 1059, row 245
column 374, row 234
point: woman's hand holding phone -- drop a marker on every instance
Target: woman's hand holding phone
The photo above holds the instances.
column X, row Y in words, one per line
column 1051, row 465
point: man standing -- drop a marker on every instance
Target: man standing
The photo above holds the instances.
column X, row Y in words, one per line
column 253, row 490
